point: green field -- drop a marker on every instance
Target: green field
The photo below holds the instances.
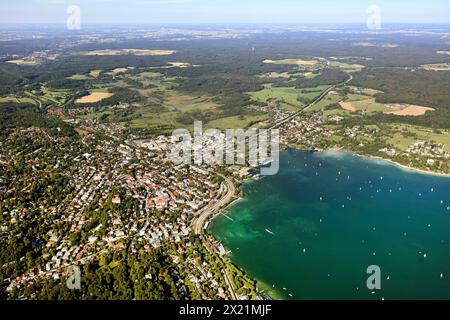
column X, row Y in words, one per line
column 330, row 99
column 236, row 122
column 286, row 98
column 17, row 100
column 437, row 67
column 405, row 135
column 346, row 66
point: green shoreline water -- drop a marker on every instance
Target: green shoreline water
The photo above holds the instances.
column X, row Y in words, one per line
column 332, row 215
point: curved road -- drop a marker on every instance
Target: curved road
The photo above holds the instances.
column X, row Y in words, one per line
column 214, row 207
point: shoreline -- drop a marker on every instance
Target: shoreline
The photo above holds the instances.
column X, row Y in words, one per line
column 405, row 167
column 263, row 287
column 389, row 161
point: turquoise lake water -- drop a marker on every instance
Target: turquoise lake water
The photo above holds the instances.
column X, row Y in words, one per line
column 312, row 231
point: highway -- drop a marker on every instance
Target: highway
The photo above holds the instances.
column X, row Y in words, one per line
column 318, row 99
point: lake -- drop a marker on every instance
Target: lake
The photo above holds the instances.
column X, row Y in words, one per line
column 312, row 231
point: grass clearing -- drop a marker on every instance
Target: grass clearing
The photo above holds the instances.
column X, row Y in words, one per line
column 437, row 67
column 372, row 44
column 276, row 75
column 79, row 77
column 17, row 100
column 95, row 73
column 117, row 71
column 298, row 62
column 22, row 62
column 180, row 64
column 400, row 109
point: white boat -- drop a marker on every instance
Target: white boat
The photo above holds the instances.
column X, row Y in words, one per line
column 270, row 232
column 267, row 161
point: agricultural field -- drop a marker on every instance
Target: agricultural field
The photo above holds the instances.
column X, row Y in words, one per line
column 364, row 103
column 346, row 67
column 17, row 100
column 437, row 67
column 407, row 110
column 180, row 64
column 95, row 73
column 22, row 62
column 79, row 77
column 297, row 62
column 286, row 97
column 332, row 98
column 91, row 75
column 57, row 97
column 276, row 75
column 93, row 97
column 117, row 71
column 378, row 45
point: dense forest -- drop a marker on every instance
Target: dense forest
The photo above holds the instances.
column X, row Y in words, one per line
column 14, row 115
column 115, row 276
column 419, row 87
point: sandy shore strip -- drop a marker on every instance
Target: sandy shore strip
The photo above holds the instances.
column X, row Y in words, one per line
column 405, row 167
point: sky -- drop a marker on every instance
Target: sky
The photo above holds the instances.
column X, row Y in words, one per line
column 224, row 11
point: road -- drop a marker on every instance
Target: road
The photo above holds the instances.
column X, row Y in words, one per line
column 209, row 211
column 318, row 99
column 214, row 207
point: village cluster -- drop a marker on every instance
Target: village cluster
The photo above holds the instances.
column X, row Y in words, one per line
column 121, row 191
